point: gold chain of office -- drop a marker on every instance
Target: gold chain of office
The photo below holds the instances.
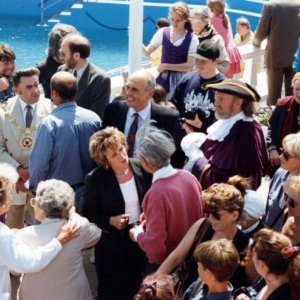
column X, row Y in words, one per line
column 26, row 141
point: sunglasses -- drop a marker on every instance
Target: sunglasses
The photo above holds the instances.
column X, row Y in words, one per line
column 216, row 215
column 285, row 154
column 290, row 201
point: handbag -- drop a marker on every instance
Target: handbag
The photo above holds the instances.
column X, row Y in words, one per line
column 181, row 273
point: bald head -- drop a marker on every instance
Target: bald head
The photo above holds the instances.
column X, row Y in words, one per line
column 65, row 86
column 146, row 77
column 139, row 89
column 77, row 43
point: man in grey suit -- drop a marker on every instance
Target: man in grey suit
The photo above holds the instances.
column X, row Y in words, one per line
column 19, row 121
column 280, row 25
column 93, row 85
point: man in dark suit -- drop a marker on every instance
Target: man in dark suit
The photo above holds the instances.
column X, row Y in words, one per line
column 280, row 25
column 122, row 114
column 93, row 85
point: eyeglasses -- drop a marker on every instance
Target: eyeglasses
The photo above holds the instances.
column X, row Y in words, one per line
column 61, row 53
column 216, row 215
column 285, row 154
column 290, row 201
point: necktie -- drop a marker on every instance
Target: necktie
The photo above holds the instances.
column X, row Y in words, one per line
column 28, row 117
column 75, row 73
column 131, row 135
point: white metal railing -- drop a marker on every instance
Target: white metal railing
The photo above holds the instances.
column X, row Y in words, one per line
column 251, row 55
column 44, row 8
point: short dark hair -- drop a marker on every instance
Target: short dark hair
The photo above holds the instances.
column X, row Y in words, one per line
column 6, row 53
column 67, row 90
column 162, row 22
column 28, row 72
column 78, row 43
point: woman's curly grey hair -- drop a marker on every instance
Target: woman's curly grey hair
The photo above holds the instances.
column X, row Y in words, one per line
column 154, row 145
column 55, row 198
column 8, row 177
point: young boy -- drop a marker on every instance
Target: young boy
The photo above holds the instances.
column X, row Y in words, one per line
column 217, row 261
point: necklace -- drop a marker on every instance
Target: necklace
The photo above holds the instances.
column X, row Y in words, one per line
column 123, row 174
column 26, row 142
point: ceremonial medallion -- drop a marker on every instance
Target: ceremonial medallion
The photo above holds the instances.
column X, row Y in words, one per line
column 26, row 142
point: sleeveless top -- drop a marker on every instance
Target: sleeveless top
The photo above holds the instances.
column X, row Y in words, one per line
column 175, row 54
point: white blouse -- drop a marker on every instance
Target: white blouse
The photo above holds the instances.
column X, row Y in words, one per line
column 16, row 256
column 131, row 198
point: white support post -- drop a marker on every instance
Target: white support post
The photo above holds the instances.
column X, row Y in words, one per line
column 136, row 13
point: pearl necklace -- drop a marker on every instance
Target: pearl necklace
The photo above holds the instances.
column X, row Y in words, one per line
column 123, row 174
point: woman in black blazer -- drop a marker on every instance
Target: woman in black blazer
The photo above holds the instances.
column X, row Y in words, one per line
column 114, row 192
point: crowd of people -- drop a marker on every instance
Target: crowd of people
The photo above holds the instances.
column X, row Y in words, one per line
column 162, row 180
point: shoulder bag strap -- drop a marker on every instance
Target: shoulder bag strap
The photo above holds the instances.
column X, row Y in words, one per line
column 199, row 235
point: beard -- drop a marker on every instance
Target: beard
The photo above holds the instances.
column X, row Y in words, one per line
column 71, row 63
column 223, row 116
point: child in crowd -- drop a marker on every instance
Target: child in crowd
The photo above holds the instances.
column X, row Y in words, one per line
column 243, row 35
column 156, row 287
column 217, row 261
column 221, row 23
column 160, row 97
column 177, row 42
column 155, row 56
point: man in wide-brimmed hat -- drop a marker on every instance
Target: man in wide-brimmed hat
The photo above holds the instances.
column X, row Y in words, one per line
column 235, row 143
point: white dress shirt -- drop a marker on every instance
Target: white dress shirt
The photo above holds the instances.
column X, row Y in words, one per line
column 24, row 109
column 80, row 72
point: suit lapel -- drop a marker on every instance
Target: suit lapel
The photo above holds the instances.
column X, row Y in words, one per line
column 156, row 114
column 121, row 118
column 41, row 112
column 16, row 112
column 83, row 83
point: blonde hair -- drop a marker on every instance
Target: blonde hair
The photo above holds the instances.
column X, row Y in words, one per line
column 291, row 143
column 102, row 140
column 8, row 177
column 295, row 78
column 292, row 187
column 218, row 8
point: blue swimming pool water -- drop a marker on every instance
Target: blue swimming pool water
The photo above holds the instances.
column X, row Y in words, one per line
column 30, row 42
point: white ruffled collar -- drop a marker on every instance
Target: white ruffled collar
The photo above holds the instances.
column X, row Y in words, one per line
column 220, row 129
